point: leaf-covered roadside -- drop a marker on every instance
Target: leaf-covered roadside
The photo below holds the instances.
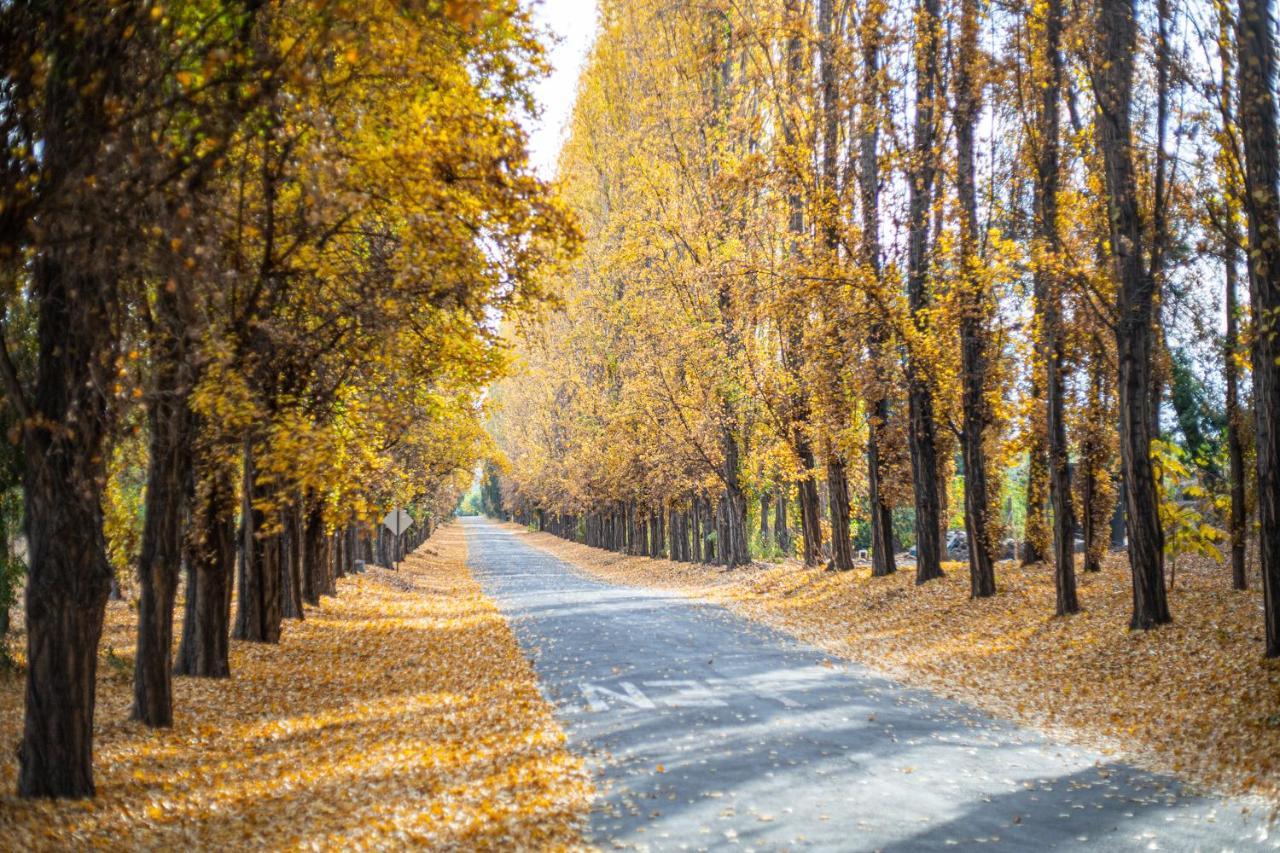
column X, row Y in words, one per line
column 401, row 713
column 1193, row 698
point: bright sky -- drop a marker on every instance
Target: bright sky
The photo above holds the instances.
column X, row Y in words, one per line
column 573, row 23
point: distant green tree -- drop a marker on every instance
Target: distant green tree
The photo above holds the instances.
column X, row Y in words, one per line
column 1201, row 423
column 491, row 491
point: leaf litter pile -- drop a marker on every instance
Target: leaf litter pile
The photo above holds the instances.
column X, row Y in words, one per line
column 400, row 713
column 1195, row 698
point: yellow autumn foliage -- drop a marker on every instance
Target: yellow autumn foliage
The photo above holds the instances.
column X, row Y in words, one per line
column 399, row 714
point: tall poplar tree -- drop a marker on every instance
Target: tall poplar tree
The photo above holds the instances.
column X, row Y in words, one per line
column 1134, row 254
column 1256, row 66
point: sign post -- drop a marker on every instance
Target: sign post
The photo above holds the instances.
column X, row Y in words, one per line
column 397, row 521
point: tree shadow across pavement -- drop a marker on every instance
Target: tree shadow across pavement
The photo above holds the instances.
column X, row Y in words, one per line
column 706, row 731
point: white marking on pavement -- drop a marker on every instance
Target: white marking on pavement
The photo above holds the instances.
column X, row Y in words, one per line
column 597, row 696
column 691, row 694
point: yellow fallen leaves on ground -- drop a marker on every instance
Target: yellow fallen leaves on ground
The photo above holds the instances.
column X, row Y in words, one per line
column 1195, row 698
column 401, row 713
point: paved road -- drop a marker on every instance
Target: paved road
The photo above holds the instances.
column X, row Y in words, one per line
column 707, row 731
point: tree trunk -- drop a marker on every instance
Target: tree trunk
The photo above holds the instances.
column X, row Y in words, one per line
column 882, row 558
column 923, row 168
column 338, row 547
column 291, row 567
column 676, row 532
column 1117, row 34
column 810, row 511
column 1048, row 288
column 68, row 578
column 211, row 555
column 1119, row 530
column 686, row 538
column 258, row 616
column 1257, row 70
column 810, row 524
column 1035, row 534
column 642, row 537
column 162, row 541
column 781, row 530
column 340, row 557
column 632, row 546
column 924, row 468
column 838, row 485
column 733, row 547
column 829, row 215
column 1089, row 494
column 720, row 510
column 711, row 545
column 1237, row 530
column 1064, row 527
column 1096, row 510
column 765, row 500
column 881, row 520
column 982, row 579
column 316, row 574
column 973, row 321
column 673, row 531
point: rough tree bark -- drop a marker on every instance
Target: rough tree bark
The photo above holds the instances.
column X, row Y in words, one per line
column 841, row 542
column 923, row 169
column 168, row 475
column 810, row 524
column 291, row 563
column 1113, row 88
column 1035, row 533
column 65, row 416
column 793, row 355
column 1231, row 243
column 695, row 529
column 973, row 322
column 734, row 548
column 68, row 577
column 1257, row 74
column 1049, row 289
column 1236, row 520
column 833, row 357
column 316, row 578
column 258, row 614
column 781, row 530
column 211, row 554
column 882, row 562
column 1095, row 514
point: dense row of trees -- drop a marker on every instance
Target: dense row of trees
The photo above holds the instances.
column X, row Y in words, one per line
column 890, row 269
column 252, row 255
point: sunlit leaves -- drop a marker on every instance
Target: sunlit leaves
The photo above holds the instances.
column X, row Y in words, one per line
column 401, row 713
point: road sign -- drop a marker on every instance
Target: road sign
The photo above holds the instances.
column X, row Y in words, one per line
column 398, row 521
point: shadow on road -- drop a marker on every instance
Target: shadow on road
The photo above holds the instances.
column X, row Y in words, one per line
column 710, row 731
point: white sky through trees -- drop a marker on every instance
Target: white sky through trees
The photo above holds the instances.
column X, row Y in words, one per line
column 572, row 24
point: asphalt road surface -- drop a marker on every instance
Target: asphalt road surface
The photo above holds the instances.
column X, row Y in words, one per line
column 706, row 731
